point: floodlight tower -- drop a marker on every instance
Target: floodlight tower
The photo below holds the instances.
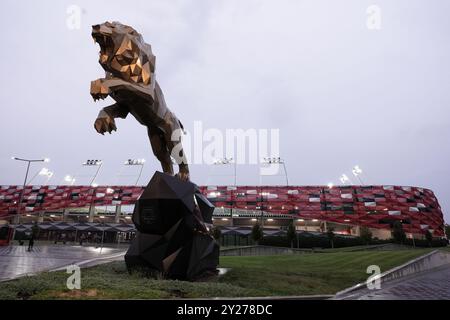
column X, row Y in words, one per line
column 277, row 160
column 357, row 171
column 136, row 162
column 91, row 163
column 226, row 161
column 344, row 179
column 43, row 172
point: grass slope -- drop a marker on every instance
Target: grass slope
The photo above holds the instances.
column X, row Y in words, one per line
column 320, row 273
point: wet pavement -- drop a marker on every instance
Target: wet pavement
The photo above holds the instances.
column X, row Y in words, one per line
column 430, row 285
column 16, row 261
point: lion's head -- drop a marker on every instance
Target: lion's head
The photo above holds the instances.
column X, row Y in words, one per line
column 123, row 52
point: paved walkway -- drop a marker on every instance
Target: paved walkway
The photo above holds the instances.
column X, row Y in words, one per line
column 16, row 261
column 430, row 285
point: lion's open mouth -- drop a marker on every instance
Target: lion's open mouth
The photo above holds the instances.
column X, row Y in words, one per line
column 105, row 42
column 102, row 35
column 101, row 39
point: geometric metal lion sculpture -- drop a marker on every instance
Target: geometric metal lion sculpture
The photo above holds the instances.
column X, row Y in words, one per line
column 129, row 65
column 172, row 216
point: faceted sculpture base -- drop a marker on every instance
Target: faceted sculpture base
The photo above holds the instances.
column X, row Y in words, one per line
column 172, row 218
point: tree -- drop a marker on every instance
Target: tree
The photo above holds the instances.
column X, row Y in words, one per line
column 216, row 233
column 447, row 230
column 429, row 237
column 257, row 233
column 366, row 235
column 398, row 234
column 291, row 233
column 331, row 236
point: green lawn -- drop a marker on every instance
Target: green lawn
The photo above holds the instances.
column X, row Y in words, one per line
column 305, row 274
column 321, row 273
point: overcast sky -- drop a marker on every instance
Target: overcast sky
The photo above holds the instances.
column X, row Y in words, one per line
column 340, row 93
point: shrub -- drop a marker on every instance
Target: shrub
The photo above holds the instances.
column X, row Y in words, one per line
column 398, row 234
column 291, row 234
column 429, row 237
column 421, row 243
column 216, row 233
column 331, row 236
column 309, row 240
column 366, row 235
column 257, row 233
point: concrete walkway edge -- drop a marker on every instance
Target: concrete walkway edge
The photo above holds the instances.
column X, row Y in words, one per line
column 93, row 262
column 426, row 262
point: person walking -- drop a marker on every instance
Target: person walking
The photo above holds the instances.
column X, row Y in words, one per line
column 82, row 238
column 31, row 242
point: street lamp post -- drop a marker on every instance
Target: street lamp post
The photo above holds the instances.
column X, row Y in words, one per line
column 28, row 161
column 278, row 160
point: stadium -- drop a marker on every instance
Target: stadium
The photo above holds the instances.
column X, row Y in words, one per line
column 77, row 210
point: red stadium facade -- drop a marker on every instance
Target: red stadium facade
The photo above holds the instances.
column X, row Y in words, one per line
column 351, row 207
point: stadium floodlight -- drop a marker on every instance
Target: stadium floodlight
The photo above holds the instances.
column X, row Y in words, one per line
column 93, row 163
column 223, row 161
column 69, row 179
column 46, row 173
column 136, row 162
column 277, row 160
column 344, row 179
column 95, row 185
column 43, row 172
column 330, row 185
column 357, row 171
column 28, row 161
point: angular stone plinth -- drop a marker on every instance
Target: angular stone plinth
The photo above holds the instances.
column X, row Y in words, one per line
column 172, row 218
